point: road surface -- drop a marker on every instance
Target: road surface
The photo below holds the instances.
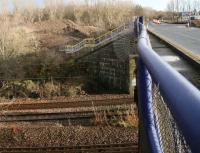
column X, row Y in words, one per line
column 176, row 61
column 187, row 38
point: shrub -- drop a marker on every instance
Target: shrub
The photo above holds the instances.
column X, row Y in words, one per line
column 40, row 89
column 23, row 89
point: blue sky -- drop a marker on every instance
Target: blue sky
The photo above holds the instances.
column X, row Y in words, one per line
column 40, row 2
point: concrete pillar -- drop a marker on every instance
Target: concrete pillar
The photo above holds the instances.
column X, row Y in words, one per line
column 132, row 74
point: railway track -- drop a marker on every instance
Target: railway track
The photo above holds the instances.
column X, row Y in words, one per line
column 84, row 109
column 54, row 105
column 29, row 116
column 110, row 148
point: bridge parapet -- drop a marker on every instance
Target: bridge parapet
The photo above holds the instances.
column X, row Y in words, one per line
column 169, row 104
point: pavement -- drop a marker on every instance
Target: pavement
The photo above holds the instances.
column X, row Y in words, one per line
column 187, row 38
column 176, row 61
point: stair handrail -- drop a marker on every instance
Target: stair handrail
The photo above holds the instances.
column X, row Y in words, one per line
column 94, row 42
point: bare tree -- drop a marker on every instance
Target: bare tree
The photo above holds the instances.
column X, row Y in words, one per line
column 171, row 7
column 188, row 5
column 196, row 6
column 55, row 8
column 4, row 7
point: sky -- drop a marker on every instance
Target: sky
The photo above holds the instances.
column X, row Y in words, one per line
column 155, row 4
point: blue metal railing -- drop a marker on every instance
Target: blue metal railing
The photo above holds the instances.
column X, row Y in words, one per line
column 181, row 97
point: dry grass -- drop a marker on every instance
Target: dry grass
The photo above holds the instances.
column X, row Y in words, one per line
column 196, row 23
column 94, row 13
column 42, row 89
column 103, row 14
column 16, row 41
column 131, row 120
column 31, row 35
column 100, row 119
column 128, row 120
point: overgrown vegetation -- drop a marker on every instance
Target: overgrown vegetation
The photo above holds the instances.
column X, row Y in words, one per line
column 104, row 14
column 123, row 119
column 42, row 89
column 30, row 35
column 94, row 13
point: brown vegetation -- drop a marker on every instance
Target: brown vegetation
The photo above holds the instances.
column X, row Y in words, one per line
column 32, row 67
column 42, row 89
column 30, row 37
column 94, row 13
column 196, row 23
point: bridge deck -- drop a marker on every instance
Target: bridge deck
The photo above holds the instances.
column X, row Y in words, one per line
column 188, row 38
column 179, row 63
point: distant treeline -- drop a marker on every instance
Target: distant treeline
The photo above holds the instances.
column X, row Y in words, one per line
column 104, row 14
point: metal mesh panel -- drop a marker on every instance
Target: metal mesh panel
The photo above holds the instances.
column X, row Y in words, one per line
column 170, row 137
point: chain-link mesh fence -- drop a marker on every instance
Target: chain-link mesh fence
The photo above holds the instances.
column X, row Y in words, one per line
column 170, row 137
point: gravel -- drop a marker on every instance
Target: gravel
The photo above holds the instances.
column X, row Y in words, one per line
column 64, row 136
column 35, row 134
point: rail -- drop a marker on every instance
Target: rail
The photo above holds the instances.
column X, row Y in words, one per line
column 85, row 115
column 95, row 42
column 117, row 148
column 169, row 104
